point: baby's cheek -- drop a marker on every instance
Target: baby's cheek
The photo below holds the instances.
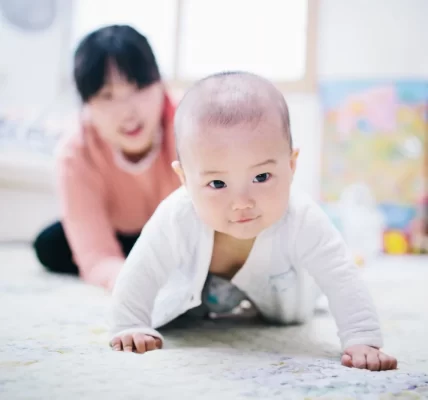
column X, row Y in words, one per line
column 214, row 206
column 209, row 208
column 276, row 201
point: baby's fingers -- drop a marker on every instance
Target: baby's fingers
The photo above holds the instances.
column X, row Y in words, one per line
column 116, row 344
column 359, row 360
column 153, row 343
column 373, row 362
column 127, row 343
column 145, row 343
column 140, row 342
column 347, row 361
column 387, row 362
column 150, row 343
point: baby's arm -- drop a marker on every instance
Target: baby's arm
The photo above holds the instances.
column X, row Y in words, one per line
column 145, row 271
column 321, row 250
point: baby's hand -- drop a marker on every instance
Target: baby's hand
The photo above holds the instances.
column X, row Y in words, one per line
column 136, row 342
column 366, row 357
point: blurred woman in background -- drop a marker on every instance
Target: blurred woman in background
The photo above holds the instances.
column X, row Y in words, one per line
column 115, row 170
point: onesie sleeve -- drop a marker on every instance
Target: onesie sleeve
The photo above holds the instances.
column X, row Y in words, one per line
column 147, row 268
column 321, row 250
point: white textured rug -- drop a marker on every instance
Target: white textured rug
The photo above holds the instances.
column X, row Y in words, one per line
column 53, row 345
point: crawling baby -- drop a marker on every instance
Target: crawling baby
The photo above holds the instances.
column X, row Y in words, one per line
column 237, row 227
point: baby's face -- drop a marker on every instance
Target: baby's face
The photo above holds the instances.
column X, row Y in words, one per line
column 239, row 177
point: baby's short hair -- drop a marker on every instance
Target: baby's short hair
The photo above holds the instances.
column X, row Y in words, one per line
column 230, row 98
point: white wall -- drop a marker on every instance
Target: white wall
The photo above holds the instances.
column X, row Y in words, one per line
column 373, row 39
column 31, row 71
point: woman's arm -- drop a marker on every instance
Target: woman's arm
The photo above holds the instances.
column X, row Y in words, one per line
column 92, row 239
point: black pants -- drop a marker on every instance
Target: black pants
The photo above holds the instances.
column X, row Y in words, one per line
column 54, row 253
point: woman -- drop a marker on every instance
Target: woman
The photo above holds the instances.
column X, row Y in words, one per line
column 116, row 169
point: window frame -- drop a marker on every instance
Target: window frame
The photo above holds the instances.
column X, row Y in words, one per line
column 307, row 84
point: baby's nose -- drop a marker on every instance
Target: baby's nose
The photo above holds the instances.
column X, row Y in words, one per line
column 243, row 202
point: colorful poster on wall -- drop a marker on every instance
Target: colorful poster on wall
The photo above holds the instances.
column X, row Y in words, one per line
column 375, row 132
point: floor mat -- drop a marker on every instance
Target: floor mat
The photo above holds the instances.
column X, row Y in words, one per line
column 53, row 344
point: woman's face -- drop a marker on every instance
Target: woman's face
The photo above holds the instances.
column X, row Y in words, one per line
column 125, row 115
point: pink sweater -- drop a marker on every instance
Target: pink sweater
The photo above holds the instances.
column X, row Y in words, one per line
column 100, row 196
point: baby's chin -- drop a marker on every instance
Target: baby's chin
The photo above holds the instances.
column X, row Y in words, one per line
column 243, row 232
column 247, row 236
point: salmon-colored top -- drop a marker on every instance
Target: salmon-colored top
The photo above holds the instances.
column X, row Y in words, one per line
column 102, row 194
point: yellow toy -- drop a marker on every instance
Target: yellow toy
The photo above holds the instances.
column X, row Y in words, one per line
column 395, row 242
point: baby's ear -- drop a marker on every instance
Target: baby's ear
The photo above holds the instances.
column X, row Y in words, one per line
column 293, row 159
column 176, row 166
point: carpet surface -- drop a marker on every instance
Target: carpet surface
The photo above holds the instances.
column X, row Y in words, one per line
column 53, row 345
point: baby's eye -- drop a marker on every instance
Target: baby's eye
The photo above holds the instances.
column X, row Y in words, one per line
column 216, row 184
column 262, row 177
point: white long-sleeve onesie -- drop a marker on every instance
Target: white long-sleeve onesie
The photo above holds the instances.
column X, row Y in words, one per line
column 165, row 272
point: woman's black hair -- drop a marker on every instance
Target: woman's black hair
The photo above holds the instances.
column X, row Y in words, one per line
column 121, row 45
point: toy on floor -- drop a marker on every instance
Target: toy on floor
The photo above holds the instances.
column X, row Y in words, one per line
column 395, row 242
column 360, row 261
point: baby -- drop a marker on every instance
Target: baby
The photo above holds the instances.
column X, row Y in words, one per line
column 238, row 221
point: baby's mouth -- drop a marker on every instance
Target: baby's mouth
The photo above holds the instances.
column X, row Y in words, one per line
column 244, row 220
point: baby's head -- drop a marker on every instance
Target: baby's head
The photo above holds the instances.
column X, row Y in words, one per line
column 236, row 156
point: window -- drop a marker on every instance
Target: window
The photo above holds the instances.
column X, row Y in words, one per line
column 193, row 38
column 263, row 36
